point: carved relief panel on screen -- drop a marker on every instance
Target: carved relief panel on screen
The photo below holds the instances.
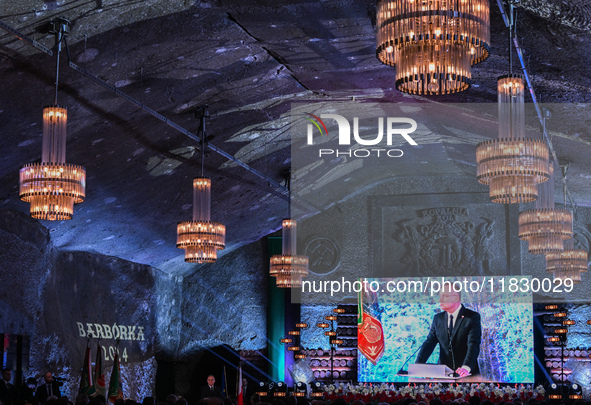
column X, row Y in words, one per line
column 446, row 241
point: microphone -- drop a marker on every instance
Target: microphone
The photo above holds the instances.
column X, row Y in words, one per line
column 402, row 371
column 453, row 359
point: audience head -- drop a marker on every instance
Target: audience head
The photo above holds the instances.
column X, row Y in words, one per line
column 171, row 399
column 98, row 400
column 149, row 401
column 82, row 399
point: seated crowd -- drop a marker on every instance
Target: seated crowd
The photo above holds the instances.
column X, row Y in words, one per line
column 49, row 393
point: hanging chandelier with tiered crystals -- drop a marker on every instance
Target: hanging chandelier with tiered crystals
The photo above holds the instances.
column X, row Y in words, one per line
column 433, row 43
column 53, row 186
column 201, row 238
column 512, row 165
column 289, row 267
column 546, row 227
column 571, row 263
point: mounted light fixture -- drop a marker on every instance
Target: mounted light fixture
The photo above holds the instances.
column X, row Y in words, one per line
column 432, row 43
column 53, row 186
column 288, row 268
column 569, row 322
column 546, row 227
column 201, row 238
column 569, row 264
column 512, row 165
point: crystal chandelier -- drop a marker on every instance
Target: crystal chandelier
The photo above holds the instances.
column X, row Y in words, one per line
column 433, row 43
column 53, row 186
column 289, row 268
column 512, row 165
column 201, row 238
column 546, row 227
column 571, row 263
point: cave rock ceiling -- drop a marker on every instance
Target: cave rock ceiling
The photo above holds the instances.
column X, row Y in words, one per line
column 248, row 60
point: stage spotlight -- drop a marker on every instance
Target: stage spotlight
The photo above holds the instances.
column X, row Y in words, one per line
column 299, row 389
column 317, row 389
column 280, row 389
column 575, row 392
column 569, row 322
column 263, row 389
column 554, row 392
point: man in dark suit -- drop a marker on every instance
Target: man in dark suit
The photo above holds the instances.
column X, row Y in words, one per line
column 49, row 389
column 210, row 390
column 7, row 391
column 458, row 332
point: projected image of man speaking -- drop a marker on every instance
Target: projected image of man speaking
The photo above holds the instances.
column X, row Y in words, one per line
column 458, row 332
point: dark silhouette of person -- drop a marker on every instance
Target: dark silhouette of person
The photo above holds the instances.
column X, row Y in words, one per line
column 48, row 389
column 211, row 390
column 458, row 332
column 7, row 390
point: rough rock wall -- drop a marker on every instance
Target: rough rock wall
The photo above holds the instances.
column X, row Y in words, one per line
column 64, row 300
column 226, row 302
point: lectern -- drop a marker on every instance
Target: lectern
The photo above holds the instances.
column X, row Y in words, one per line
column 438, row 371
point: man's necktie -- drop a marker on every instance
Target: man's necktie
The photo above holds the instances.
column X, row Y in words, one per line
column 451, row 324
column 49, row 390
